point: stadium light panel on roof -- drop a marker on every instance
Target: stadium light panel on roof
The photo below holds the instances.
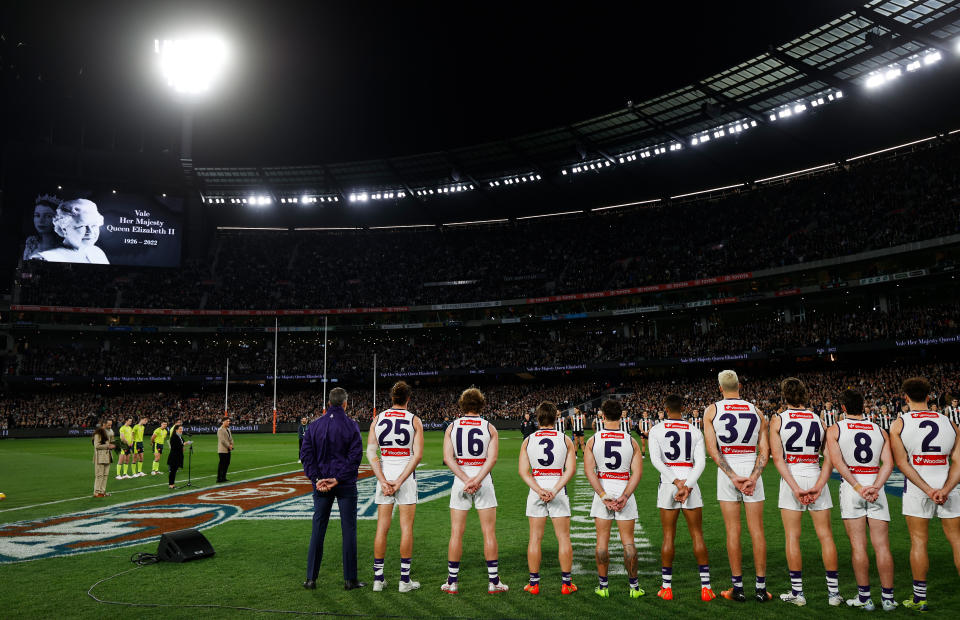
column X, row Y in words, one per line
column 875, row 80
column 913, row 66
column 931, row 58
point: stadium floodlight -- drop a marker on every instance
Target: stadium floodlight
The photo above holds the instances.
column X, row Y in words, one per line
column 893, row 73
column 875, row 80
column 564, row 171
column 191, row 66
column 931, row 58
column 913, row 66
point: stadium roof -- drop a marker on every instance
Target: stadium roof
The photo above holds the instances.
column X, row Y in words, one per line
column 829, row 62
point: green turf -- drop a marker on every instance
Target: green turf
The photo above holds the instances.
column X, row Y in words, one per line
column 261, row 563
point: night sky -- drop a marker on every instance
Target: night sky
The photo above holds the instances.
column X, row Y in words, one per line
column 320, row 81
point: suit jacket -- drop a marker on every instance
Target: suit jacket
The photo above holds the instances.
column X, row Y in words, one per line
column 175, row 458
column 224, row 440
column 102, row 454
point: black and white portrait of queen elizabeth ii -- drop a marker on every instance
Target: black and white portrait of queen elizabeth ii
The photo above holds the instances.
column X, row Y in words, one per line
column 78, row 224
column 45, row 207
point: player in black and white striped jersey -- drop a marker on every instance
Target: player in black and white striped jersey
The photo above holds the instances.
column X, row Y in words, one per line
column 885, row 419
column 829, row 415
column 643, row 429
column 577, row 421
column 952, row 411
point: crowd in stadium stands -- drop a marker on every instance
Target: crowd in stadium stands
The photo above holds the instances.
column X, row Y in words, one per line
column 880, row 387
column 869, row 205
column 446, row 348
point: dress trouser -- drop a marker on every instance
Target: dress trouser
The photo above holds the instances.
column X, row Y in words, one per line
column 101, row 473
column 172, row 478
column 223, row 466
column 346, row 497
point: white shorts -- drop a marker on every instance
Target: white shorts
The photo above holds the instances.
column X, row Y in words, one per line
column 917, row 504
column 666, row 492
column 600, row 511
column 726, row 492
column 406, row 494
column 789, row 502
column 853, row 506
column 559, row 506
column 485, row 497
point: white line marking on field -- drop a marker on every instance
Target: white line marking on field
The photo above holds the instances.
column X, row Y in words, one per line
column 149, row 486
column 583, row 536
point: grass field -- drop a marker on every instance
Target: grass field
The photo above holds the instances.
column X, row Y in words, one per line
column 261, row 564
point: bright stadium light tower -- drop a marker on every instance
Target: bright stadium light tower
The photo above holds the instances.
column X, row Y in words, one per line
column 191, row 66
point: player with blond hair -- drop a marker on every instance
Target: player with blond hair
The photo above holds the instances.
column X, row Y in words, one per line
column 736, row 439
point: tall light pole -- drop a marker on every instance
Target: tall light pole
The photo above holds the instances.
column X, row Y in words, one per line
column 191, row 67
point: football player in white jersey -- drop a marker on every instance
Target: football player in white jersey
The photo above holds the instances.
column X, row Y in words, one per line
column 926, row 450
column 470, row 449
column 613, row 466
column 736, row 439
column 796, row 442
column 860, row 452
column 394, row 449
column 553, row 459
column 677, row 451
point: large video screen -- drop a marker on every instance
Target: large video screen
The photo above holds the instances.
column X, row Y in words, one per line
column 105, row 228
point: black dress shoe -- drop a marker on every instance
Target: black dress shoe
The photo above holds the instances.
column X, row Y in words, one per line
column 353, row 584
column 310, row 584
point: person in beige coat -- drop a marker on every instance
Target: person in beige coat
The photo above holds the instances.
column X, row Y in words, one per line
column 224, row 448
column 102, row 457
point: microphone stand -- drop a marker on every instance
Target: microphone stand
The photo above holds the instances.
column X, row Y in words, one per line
column 189, row 464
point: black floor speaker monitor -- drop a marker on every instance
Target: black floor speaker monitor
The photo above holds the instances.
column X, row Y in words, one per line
column 183, row 546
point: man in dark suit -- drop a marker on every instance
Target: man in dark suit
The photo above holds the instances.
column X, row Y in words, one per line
column 331, row 454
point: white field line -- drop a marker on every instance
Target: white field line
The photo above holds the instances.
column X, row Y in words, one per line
column 583, row 536
column 140, row 488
